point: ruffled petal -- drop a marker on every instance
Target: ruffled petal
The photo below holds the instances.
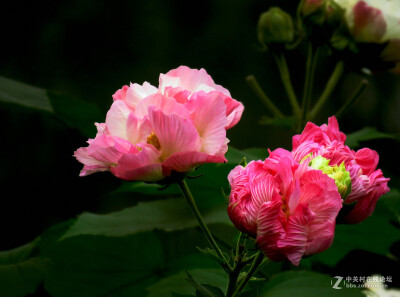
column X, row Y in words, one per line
column 295, row 242
column 208, row 113
column 144, row 165
column 174, row 133
column 117, row 118
column 367, row 159
column 270, row 229
column 185, row 161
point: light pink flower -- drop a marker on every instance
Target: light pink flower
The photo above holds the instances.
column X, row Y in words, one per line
column 150, row 132
column 367, row 183
column 290, row 208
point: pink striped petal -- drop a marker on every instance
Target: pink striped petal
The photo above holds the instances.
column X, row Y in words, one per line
column 365, row 206
column 270, row 229
column 295, row 241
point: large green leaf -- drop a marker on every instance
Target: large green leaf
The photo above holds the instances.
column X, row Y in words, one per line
column 94, row 266
column 97, row 266
column 21, row 270
column 15, row 92
column 353, row 139
column 76, row 113
column 177, row 283
column 376, row 234
column 171, row 214
column 305, row 284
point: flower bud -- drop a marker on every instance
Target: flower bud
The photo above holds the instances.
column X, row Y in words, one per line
column 369, row 24
column 311, row 6
column 338, row 173
column 275, row 26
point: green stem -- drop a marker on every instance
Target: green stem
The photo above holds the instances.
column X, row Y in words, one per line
column 189, row 198
column 308, row 84
column 257, row 261
column 330, row 86
column 232, row 280
column 287, row 83
column 252, row 82
column 350, row 102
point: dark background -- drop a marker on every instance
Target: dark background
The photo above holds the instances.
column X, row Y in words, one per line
column 89, row 49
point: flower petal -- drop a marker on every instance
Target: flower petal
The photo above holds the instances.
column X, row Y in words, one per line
column 117, row 118
column 208, row 113
column 295, row 241
column 174, row 133
column 270, row 229
column 368, row 160
column 185, row 161
column 143, row 165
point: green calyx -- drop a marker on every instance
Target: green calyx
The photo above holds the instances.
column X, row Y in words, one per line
column 338, row 173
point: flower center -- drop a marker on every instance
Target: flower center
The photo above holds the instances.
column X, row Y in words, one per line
column 153, row 140
column 338, row 173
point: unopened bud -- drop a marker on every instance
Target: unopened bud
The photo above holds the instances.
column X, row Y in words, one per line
column 311, row 6
column 275, row 26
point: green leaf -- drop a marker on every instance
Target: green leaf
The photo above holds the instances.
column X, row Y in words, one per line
column 215, row 291
column 169, row 215
column 75, row 113
column 95, row 266
column 392, row 202
column 377, row 230
column 21, row 270
column 235, row 156
column 353, row 139
column 304, row 284
column 177, row 283
column 147, row 189
column 78, row 114
column 15, row 92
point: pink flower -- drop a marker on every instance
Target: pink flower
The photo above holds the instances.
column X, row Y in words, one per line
column 367, row 183
column 290, row 208
column 150, row 132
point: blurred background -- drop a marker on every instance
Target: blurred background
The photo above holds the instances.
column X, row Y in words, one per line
column 86, row 50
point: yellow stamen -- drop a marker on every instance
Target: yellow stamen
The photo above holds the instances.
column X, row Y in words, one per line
column 153, row 140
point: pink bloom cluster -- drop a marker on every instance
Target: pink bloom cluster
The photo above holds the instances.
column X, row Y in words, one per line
column 367, row 182
column 290, row 208
column 150, row 132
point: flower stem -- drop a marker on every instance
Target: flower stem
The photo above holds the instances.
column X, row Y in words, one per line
column 330, row 86
column 189, row 198
column 257, row 261
column 287, row 83
column 252, row 82
column 308, row 84
column 350, row 102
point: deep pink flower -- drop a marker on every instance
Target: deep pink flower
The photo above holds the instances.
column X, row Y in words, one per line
column 290, row 208
column 150, row 132
column 367, row 183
